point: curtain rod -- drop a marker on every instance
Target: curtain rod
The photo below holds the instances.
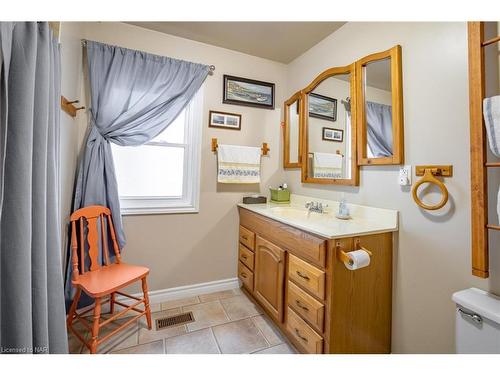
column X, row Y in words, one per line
column 211, row 68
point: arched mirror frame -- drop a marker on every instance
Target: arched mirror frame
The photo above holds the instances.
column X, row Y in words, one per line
column 304, row 123
column 394, row 54
column 286, row 134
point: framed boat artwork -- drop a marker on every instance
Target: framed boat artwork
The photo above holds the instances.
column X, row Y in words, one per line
column 248, row 92
column 322, row 107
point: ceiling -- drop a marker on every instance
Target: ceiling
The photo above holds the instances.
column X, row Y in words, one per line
column 277, row 41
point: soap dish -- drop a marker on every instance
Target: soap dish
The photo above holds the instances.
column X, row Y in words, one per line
column 343, row 217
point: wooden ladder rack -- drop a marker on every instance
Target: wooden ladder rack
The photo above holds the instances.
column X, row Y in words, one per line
column 478, row 150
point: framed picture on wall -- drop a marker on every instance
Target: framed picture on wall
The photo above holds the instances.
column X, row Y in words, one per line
column 334, row 135
column 322, row 107
column 248, row 92
column 224, row 120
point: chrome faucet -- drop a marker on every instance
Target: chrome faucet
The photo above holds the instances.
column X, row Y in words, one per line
column 316, row 207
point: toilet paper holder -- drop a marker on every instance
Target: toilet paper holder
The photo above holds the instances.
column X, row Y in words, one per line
column 344, row 258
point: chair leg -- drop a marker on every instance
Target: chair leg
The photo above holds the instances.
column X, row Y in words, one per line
column 146, row 301
column 72, row 309
column 95, row 327
column 112, row 303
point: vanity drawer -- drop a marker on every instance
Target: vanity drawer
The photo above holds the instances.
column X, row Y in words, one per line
column 246, row 257
column 305, row 335
column 307, row 276
column 306, row 306
column 246, row 276
column 247, row 238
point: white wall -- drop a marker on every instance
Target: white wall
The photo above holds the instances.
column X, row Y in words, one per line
column 71, row 85
column 293, row 125
column 432, row 250
column 184, row 249
column 337, row 89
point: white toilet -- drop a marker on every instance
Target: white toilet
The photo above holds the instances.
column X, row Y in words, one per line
column 477, row 322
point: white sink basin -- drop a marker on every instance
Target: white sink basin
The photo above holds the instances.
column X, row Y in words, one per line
column 298, row 213
column 289, row 212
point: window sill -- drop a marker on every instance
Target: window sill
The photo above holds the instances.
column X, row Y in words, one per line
column 126, row 211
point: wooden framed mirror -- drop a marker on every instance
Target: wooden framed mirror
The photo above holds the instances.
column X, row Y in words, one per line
column 328, row 123
column 379, row 89
column 292, row 135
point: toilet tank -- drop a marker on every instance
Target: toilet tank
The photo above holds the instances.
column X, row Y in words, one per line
column 477, row 322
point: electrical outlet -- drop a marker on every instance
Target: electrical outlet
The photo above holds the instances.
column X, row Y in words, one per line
column 405, row 175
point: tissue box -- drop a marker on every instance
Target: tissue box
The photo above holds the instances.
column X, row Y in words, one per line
column 254, row 200
column 280, row 196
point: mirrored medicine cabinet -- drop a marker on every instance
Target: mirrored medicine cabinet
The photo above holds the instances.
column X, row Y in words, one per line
column 346, row 117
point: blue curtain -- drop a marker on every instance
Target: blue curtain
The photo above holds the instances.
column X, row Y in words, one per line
column 379, row 128
column 32, row 316
column 134, row 97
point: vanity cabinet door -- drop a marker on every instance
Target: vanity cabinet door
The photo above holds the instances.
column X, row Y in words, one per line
column 269, row 276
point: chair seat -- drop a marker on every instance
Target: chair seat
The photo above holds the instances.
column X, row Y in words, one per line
column 107, row 279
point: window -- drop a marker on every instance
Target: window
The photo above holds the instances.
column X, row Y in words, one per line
column 163, row 175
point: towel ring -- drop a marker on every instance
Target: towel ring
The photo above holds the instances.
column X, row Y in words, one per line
column 429, row 177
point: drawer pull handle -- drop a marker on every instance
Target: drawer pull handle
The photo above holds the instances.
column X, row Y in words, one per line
column 301, row 305
column 297, row 332
column 303, row 276
column 244, row 237
column 243, row 256
column 244, row 275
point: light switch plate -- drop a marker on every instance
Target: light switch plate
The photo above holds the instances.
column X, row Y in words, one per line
column 405, row 175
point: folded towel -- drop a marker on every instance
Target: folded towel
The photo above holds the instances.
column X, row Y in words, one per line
column 327, row 165
column 238, row 164
column 491, row 113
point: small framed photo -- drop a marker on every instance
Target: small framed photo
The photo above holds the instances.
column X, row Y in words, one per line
column 334, row 135
column 248, row 92
column 224, row 120
column 322, row 107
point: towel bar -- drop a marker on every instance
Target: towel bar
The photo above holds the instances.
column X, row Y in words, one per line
column 337, row 152
column 265, row 149
column 428, row 172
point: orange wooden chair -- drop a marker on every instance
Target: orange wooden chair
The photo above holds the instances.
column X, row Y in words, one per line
column 102, row 281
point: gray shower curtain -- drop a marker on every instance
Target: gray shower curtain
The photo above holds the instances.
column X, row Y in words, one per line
column 32, row 316
column 134, row 97
column 379, row 128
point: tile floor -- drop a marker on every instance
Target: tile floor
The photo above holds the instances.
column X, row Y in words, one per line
column 226, row 322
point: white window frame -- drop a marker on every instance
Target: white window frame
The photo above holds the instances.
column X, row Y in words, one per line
column 189, row 201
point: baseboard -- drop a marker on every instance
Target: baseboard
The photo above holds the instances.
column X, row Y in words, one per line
column 186, row 291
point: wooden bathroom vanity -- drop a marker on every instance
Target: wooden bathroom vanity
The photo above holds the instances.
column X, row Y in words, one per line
column 297, row 277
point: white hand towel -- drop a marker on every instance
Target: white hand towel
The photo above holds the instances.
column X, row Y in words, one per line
column 238, row 164
column 327, row 160
column 326, row 165
column 491, row 113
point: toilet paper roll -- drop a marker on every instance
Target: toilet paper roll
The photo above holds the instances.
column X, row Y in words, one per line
column 358, row 259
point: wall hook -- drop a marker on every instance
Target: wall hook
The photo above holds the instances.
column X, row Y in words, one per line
column 68, row 107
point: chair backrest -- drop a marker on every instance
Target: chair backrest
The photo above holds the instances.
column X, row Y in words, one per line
column 92, row 217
